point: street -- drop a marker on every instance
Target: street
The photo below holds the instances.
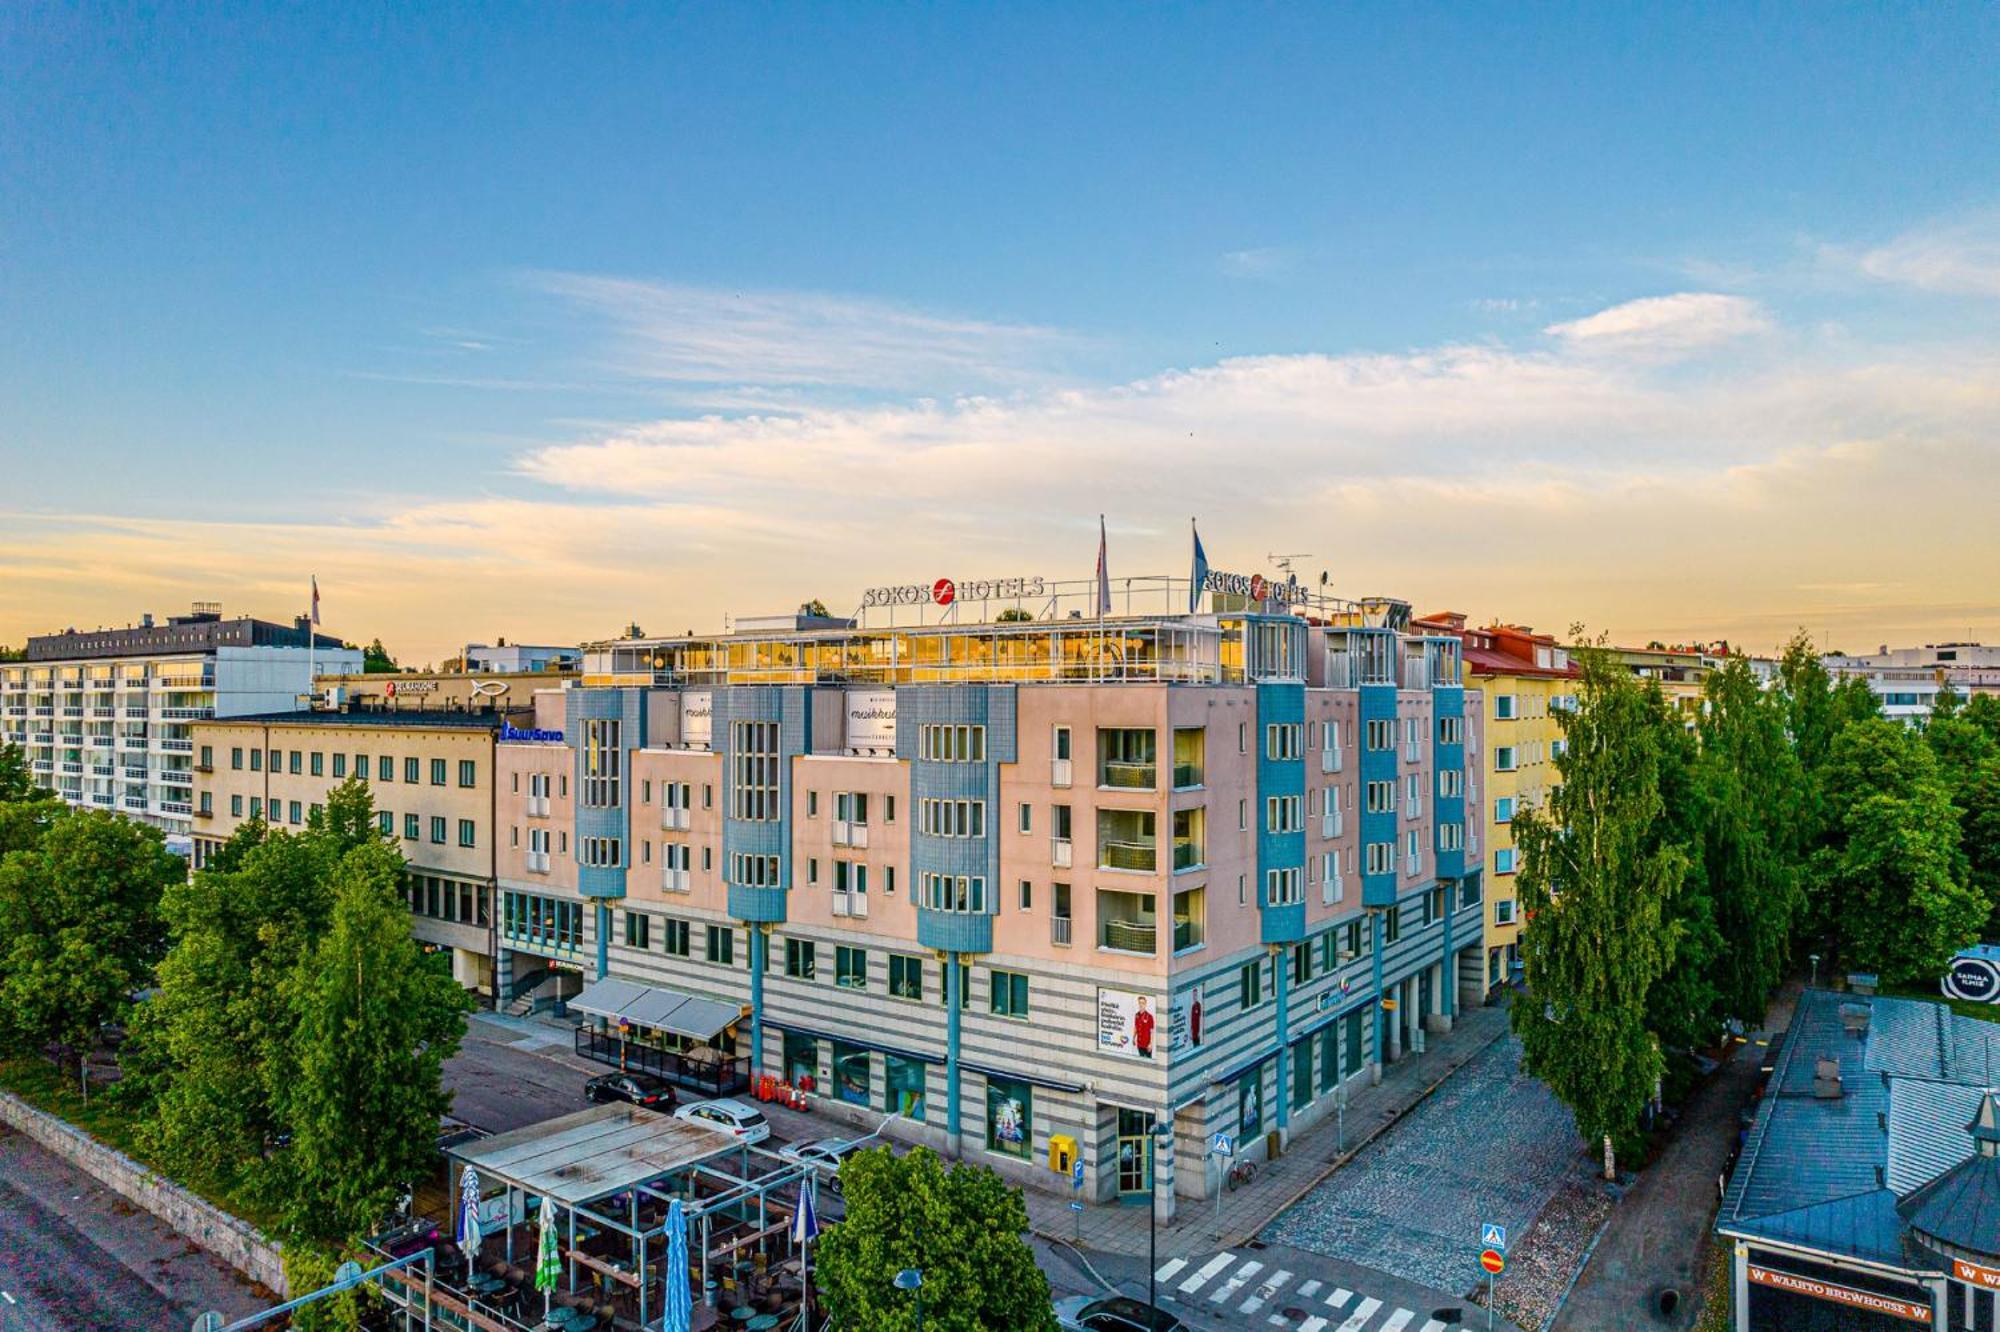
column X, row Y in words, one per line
column 74, row 1255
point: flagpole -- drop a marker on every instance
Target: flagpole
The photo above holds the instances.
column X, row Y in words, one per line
column 312, row 640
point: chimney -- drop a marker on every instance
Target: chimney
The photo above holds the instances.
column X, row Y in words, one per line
column 146, row 620
column 1826, row 1079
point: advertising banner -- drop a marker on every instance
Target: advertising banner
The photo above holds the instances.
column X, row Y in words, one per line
column 871, row 719
column 1848, row 1295
column 1184, row 1023
column 698, row 718
column 1974, row 975
column 1125, row 1023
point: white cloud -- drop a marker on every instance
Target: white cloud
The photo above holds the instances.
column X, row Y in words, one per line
column 1673, row 325
column 1959, row 258
column 708, row 335
column 1259, row 262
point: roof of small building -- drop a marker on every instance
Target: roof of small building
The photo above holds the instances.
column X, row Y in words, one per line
column 595, row 1153
column 1961, row 1208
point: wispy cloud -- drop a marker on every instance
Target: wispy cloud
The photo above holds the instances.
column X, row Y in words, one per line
column 1959, row 258
column 1673, row 325
column 1504, row 305
column 1265, row 261
column 709, row 335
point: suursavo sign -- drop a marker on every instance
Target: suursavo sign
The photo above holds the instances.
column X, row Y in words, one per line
column 947, row 590
column 1254, row 586
column 509, row 731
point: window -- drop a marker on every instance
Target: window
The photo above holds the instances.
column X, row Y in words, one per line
column 1503, row 860
column 542, row 921
column 753, row 763
column 707, row 796
column 952, row 744
column 949, row 892
column 295, row 812
column 1448, row 730
column 412, row 770
column 236, row 807
column 318, row 764
column 1250, row 1103
column 1380, row 797
column 1190, row 919
column 674, row 937
column 256, row 760
column 339, row 766
column 1010, row 1108
column 1329, row 1057
column 1392, row 925
column 1451, row 783
column 753, row 871
column 385, row 823
column 1414, row 793
column 236, row 757
column 1284, row 743
column 1451, row 837
column 1060, row 744
column 1302, row 963
column 1359, row 940
column 1284, row 887
column 1503, row 810
column 1190, row 752
column 903, row 1086
column 1025, row 899
column 722, row 944
column 1381, row 858
column 888, row 809
column 1503, row 911
column 906, row 976
column 1381, row 735
column 1250, row 984
column 1284, row 814
column 638, row 929
column 465, row 833
column 850, row 1073
column 1010, row 994
column 256, row 808
column 1503, row 759
column 1413, row 851
column 951, row 818
column 1557, row 748
column 277, row 761
column 800, row 964
column 385, row 769
column 437, row 829
column 964, row 986
column 600, row 765
column 1126, row 841
column 1242, row 737
column 850, row 968
column 361, row 766
column 1434, row 901
column 1026, row 817
column 207, row 757
column 1503, row 707
column 297, row 762
column 1127, row 758
column 413, row 827
column 1302, row 1071
column 468, row 772
column 1243, row 816
column 850, row 816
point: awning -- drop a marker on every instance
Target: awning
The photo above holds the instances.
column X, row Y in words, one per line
column 666, row 1010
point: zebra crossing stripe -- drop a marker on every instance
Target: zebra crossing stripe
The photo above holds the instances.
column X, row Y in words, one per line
column 1167, row 1272
column 1398, row 1321
column 1362, row 1313
column 1308, row 1289
column 1314, row 1324
column 1251, row 1267
column 1433, row 1326
column 1207, row 1273
column 1341, row 1295
column 1266, row 1291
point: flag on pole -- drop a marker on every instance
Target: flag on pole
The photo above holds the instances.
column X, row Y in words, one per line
column 1103, row 572
column 1199, row 574
column 315, row 612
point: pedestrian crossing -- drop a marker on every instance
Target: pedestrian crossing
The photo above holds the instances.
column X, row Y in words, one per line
column 1229, row 1284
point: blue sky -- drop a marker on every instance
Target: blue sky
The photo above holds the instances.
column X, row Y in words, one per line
column 528, row 320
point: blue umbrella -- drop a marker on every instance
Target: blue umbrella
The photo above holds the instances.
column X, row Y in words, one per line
column 469, row 1231
column 805, row 1229
column 679, row 1316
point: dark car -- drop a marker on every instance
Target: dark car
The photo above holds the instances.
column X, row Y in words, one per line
column 637, row 1088
column 1117, row 1314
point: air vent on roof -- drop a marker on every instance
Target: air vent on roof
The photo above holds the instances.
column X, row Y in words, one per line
column 1826, row 1079
column 1854, row 1019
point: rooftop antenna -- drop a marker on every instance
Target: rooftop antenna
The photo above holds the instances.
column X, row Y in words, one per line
column 1285, row 561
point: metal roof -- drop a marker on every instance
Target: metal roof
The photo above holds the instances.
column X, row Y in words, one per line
column 595, row 1153
column 1927, row 1130
column 1961, row 1208
column 1865, row 1226
column 662, row 1009
column 1911, row 1039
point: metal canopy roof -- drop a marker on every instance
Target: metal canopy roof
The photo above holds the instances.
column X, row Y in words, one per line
column 595, row 1153
column 666, row 1010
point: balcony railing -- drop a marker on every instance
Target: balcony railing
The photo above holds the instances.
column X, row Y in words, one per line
column 177, row 777
column 1333, row 823
column 103, row 770
column 1187, row 775
column 103, row 713
column 176, row 807
column 1187, row 855
column 712, row 1076
column 1332, row 759
column 99, row 741
column 101, row 798
column 136, row 714
column 674, row 881
column 538, row 862
column 1061, row 853
column 177, row 746
column 1187, row 934
column 673, row 818
column 1129, row 776
column 1412, row 750
column 538, row 807
column 186, row 714
column 74, row 769
column 135, row 802
column 44, row 765
column 849, row 903
column 72, row 712
column 1130, row 936
column 1059, row 930
column 135, row 774
column 848, row 833
column 1128, row 855
column 1060, row 772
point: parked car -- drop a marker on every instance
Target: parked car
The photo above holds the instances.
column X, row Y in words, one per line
column 1080, row 1313
column 746, row 1122
column 823, row 1155
column 635, row 1088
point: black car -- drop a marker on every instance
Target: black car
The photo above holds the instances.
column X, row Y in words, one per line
column 637, row 1088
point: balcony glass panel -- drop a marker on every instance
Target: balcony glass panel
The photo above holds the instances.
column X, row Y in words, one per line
column 1190, row 919
column 1190, row 746
column 1127, row 922
column 1190, row 826
column 1128, row 759
column 1126, row 840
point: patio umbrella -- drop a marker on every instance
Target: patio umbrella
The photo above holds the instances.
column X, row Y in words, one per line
column 548, row 1264
column 679, row 1315
column 805, row 1229
column 469, row 1234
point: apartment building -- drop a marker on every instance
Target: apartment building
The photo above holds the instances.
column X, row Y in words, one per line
column 1025, row 883
column 106, row 716
column 1680, row 672
column 1526, row 680
column 431, row 772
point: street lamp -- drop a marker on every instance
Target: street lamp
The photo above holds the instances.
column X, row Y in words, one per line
column 912, row 1279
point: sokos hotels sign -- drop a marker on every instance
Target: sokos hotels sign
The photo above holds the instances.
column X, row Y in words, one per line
column 1254, row 586
column 946, row 590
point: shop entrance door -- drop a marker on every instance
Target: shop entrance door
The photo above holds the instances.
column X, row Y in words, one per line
column 1135, row 1157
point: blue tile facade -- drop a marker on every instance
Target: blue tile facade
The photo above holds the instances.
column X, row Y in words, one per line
column 625, row 706
column 1279, row 704
column 1378, row 703
column 993, row 707
column 1448, row 701
column 788, row 707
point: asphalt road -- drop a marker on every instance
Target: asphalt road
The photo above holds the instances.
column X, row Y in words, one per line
column 74, row 1255
column 499, row 1086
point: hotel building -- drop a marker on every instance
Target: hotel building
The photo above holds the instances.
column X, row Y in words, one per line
column 106, row 716
column 1026, row 875
column 1526, row 679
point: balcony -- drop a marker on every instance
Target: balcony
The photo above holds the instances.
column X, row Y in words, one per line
column 135, row 774
column 103, row 770
column 672, row 818
column 848, row 833
column 1332, row 759
column 1187, row 855
column 1412, row 750
column 674, row 881
column 135, row 802
column 137, row 714
column 1061, row 853
column 177, row 746
column 538, row 807
column 43, row 765
column 43, row 710
column 1127, row 759
column 102, row 798
column 1061, row 773
column 73, row 769
column 102, row 714
column 1129, row 776
column 177, row 777
column 849, row 903
column 1126, row 840
column 204, row 813
column 538, row 862
column 72, row 712
column 16, row 710
column 186, row 714
column 1126, row 922
column 99, row 742
column 1059, row 930
column 45, row 738
column 1333, row 823
column 176, row 807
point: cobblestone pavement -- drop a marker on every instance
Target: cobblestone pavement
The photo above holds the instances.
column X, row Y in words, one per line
column 1539, row 1268
column 1490, row 1145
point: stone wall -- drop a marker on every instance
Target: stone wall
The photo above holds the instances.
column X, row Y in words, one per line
column 229, row 1238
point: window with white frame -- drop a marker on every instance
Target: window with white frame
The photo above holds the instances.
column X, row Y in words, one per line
column 951, row 818
column 1451, row 782
column 939, row 743
column 1503, row 707
column 1330, row 885
column 754, row 768
column 602, row 761
column 1381, row 735
column 1503, row 759
column 1283, row 814
column 954, row 892
column 1283, row 742
column 1503, row 860
column 602, row 852
column 1413, row 793
column 1381, row 858
column 1451, row 837
column 1284, row 887
column 1503, row 809
column 1380, row 797
column 1503, row 911
column 1413, row 852
column 1448, row 730
column 749, row 870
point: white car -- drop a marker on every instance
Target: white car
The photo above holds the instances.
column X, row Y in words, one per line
column 823, row 1155
column 745, row 1121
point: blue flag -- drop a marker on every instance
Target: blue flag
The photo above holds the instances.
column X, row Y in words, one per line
column 1200, row 572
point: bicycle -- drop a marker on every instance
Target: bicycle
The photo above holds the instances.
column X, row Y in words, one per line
column 1241, row 1174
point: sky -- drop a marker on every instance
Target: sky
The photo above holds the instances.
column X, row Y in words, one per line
column 1675, row 322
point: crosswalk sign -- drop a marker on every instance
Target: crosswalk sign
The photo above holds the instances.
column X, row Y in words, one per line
column 1493, row 1236
column 1220, row 1145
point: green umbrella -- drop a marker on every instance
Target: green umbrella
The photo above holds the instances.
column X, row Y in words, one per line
column 548, row 1263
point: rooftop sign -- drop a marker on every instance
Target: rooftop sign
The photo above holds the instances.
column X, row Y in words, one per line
column 944, row 591
column 1254, row 586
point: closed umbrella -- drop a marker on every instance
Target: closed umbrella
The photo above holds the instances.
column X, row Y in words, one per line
column 680, row 1300
column 469, row 1233
column 548, row 1263
column 805, row 1229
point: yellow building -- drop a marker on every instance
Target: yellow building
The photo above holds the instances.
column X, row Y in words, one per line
column 1525, row 679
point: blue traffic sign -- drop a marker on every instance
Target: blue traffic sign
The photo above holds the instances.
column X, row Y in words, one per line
column 1492, row 1236
column 1076, row 1207
column 1076, row 1174
column 1220, row 1145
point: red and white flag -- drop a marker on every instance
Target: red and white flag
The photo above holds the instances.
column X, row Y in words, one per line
column 315, row 612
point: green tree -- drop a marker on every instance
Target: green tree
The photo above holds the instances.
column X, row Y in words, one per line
column 813, row 607
column 17, row 783
column 375, row 659
column 26, row 810
column 1894, row 862
column 1598, row 884
column 1685, row 1005
column 1983, row 711
column 372, row 1027
column 1978, row 801
column 1015, row 615
column 963, row 1228
column 79, row 930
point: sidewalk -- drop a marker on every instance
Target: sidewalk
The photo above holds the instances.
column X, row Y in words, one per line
column 1111, row 1228
column 1659, row 1233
